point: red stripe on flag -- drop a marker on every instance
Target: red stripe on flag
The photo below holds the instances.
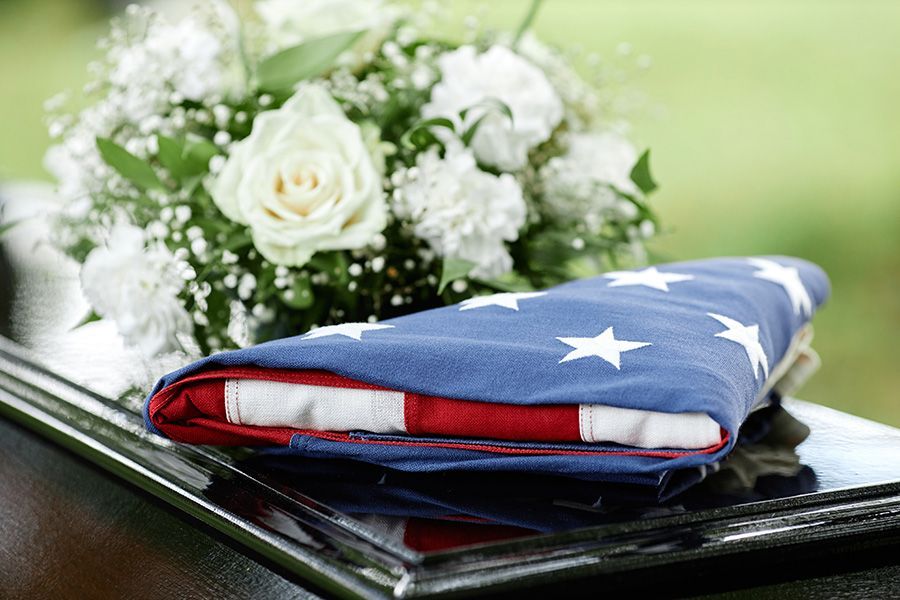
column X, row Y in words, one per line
column 429, row 415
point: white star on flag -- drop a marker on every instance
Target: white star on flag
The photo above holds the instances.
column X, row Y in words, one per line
column 505, row 299
column 604, row 346
column 748, row 337
column 786, row 277
column 649, row 277
column 351, row 330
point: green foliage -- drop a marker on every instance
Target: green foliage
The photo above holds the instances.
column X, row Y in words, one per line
column 334, row 264
column 186, row 157
column 525, row 25
column 238, row 241
column 421, row 136
column 129, row 166
column 511, row 282
column 640, row 174
column 284, row 69
column 491, row 105
column 452, row 269
column 301, row 296
column 6, row 227
column 91, row 317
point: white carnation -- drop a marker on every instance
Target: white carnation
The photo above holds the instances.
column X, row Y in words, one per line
column 463, row 212
column 137, row 287
column 603, row 157
column 304, row 180
column 469, row 79
column 291, row 22
column 583, row 183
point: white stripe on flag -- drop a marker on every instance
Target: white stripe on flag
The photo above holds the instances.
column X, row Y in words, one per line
column 647, row 429
column 315, row 407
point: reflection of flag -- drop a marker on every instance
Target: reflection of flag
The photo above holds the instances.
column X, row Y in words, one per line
column 620, row 377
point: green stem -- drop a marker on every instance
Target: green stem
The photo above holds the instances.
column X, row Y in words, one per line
column 527, row 21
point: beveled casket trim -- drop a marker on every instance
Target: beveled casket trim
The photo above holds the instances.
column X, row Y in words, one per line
column 346, row 557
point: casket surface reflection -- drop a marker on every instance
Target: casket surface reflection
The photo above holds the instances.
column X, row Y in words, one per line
column 432, row 512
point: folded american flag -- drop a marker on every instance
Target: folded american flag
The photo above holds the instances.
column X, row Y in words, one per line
column 622, row 377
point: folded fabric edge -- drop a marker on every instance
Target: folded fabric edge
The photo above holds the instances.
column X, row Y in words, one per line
column 247, row 405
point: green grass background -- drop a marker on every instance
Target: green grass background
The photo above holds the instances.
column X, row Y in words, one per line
column 775, row 128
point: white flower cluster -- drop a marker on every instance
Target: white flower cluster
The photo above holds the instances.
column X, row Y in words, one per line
column 578, row 97
column 462, row 211
column 587, row 180
column 470, row 81
column 137, row 287
column 220, row 188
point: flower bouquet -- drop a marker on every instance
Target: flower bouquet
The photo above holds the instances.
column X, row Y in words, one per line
column 234, row 178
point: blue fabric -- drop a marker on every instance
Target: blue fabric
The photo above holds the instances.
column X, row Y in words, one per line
column 495, row 354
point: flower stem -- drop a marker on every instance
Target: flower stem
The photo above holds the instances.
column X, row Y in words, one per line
column 527, row 21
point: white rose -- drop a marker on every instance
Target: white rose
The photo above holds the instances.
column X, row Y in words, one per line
column 291, row 22
column 137, row 288
column 463, row 212
column 469, row 78
column 303, row 180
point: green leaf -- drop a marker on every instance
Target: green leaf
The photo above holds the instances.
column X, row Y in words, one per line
column 127, row 164
column 197, row 152
column 453, row 268
column 332, row 263
column 302, row 295
column 469, row 134
column 490, row 105
column 644, row 210
column 511, row 282
column 89, row 318
column 640, row 174
column 420, row 136
column 238, row 242
column 283, row 69
column 169, row 155
column 8, row 225
column 185, row 158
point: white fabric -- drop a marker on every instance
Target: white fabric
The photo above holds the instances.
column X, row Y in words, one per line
column 799, row 363
column 320, row 408
column 647, row 429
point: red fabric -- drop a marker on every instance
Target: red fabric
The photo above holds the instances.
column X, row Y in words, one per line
column 428, row 415
column 193, row 411
column 432, row 535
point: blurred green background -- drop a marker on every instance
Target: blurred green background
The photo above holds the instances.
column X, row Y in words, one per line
column 775, row 129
